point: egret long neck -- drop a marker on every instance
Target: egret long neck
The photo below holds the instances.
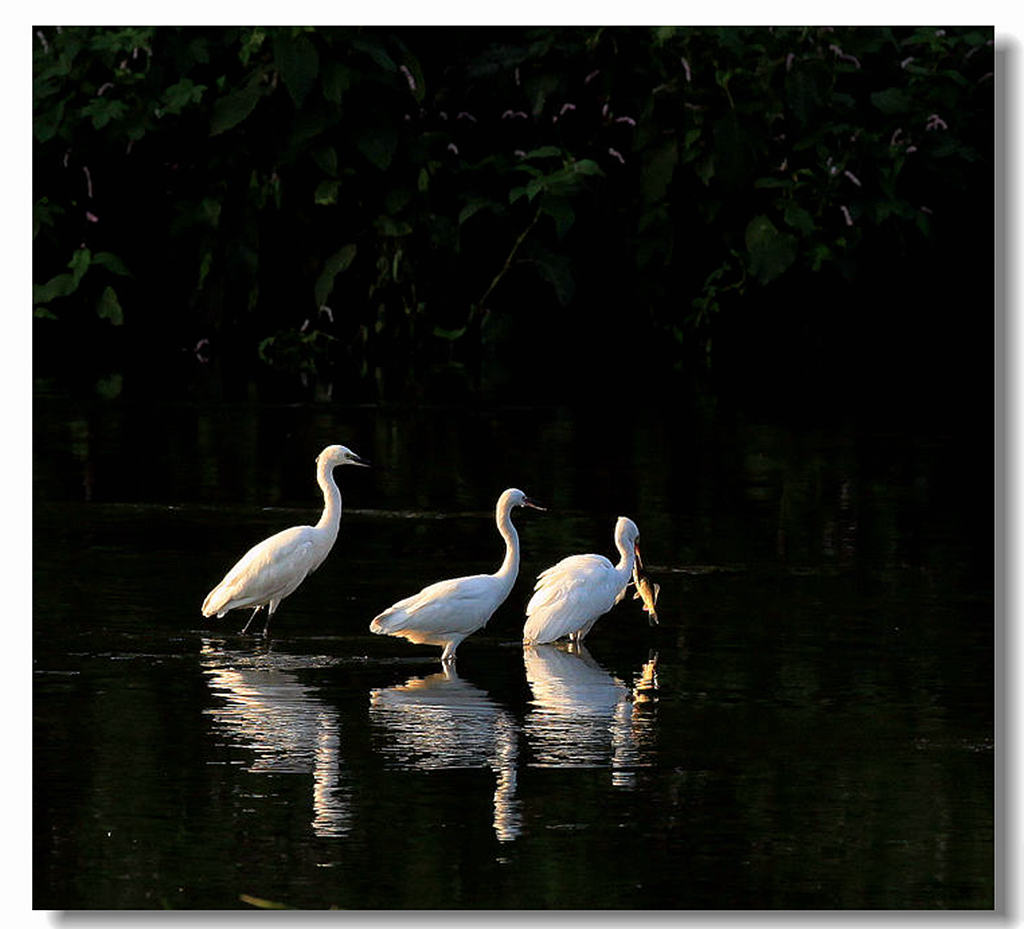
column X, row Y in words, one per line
column 627, row 556
column 510, row 566
column 331, row 515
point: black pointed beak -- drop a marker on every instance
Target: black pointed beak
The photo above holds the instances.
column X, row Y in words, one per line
column 639, row 560
column 362, row 462
column 533, row 504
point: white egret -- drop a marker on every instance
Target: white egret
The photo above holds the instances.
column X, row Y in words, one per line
column 446, row 612
column 571, row 596
column 271, row 570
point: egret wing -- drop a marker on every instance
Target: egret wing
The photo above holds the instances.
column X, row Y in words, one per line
column 567, row 595
column 270, row 570
column 455, row 605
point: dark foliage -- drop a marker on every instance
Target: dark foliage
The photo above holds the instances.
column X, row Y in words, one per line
column 334, row 200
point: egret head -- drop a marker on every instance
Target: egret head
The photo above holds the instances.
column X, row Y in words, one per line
column 335, row 455
column 515, row 497
column 627, row 535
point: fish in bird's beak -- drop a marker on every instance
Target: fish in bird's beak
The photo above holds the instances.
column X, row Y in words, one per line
column 646, row 591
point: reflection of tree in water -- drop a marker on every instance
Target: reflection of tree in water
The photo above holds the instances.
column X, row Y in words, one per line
column 583, row 717
column 264, row 708
column 442, row 722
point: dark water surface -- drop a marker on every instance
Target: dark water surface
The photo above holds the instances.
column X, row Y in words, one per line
column 811, row 725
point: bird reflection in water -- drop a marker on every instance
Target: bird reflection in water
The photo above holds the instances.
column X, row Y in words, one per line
column 645, row 683
column 264, row 708
column 583, row 717
column 443, row 722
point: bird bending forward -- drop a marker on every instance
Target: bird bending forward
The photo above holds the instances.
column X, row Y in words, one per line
column 446, row 612
column 273, row 568
column 571, row 596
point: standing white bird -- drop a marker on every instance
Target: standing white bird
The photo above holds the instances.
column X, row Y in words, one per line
column 571, row 596
column 271, row 570
column 446, row 612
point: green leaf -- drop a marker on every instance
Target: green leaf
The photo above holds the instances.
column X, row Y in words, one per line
column 107, row 307
column 819, row 255
column 209, row 211
column 204, row 268
column 110, row 387
column 771, row 252
column 450, row 334
column 297, row 60
column 326, row 193
column 735, row 145
column 955, row 76
column 180, row 95
column 797, row 217
column 265, row 344
column 333, row 266
column 309, row 125
column 231, row 109
column 376, row 52
column 46, row 123
column 948, row 144
column 102, row 110
column 560, row 211
column 892, row 101
column 471, row 208
column 378, row 145
column 555, row 269
column 396, row 199
column 79, row 264
column 387, row 226
column 335, row 79
column 326, row 158
column 59, row 286
column 111, row 262
column 545, row 151
column 251, row 45
column 587, row 166
column 705, row 169
column 659, row 167
column 770, row 182
column 807, row 90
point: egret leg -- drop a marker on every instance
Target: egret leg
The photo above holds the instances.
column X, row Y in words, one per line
column 270, row 615
column 448, row 655
column 245, row 629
